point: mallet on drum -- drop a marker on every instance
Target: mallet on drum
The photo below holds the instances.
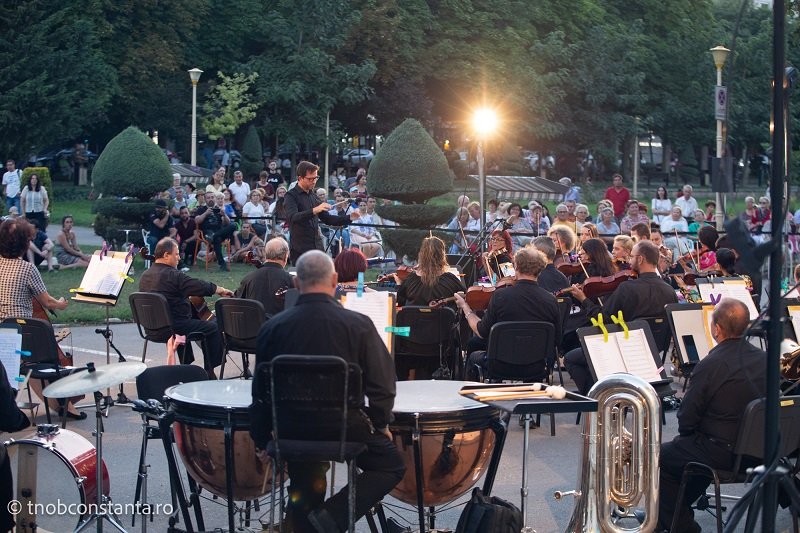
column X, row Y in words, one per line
column 523, row 391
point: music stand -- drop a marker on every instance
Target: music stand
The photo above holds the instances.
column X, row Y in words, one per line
column 102, row 284
column 689, row 334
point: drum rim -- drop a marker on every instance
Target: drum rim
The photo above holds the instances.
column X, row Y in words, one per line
column 170, row 393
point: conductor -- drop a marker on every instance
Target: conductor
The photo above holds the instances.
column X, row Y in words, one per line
column 304, row 210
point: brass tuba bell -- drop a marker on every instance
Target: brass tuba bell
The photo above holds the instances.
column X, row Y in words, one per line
column 619, row 467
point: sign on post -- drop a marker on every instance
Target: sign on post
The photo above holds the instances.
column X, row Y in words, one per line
column 720, row 102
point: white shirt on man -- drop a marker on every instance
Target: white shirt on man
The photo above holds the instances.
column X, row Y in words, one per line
column 688, row 207
column 240, row 193
column 11, row 182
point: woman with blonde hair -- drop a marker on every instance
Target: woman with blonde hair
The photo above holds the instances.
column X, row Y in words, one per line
column 431, row 279
column 621, row 252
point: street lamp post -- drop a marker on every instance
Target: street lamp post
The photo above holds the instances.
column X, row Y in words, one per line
column 720, row 54
column 485, row 120
column 194, row 74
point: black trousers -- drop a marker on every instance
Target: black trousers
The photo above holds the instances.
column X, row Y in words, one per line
column 578, row 368
column 381, row 467
column 6, row 493
column 217, row 237
column 674, row 456
column 212, row 344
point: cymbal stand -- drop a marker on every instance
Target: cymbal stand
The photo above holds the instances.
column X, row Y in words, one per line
column 101, row 510
column 108, row 335
column 478, row 243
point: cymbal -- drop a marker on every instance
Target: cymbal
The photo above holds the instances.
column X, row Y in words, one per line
column 89, row 381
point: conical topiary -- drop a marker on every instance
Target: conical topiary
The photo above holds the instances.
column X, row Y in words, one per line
column 409, row 167
column 133, row 167
column 252, row 153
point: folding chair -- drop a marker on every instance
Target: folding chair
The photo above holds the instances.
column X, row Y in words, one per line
column 431, row 339
column 154, row 320
column 239, row 320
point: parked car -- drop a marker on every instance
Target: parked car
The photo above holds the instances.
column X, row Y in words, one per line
column 358, row 156
column 60, row 161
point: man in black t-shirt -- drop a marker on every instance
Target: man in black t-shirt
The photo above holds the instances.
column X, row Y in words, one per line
column 274, row 176
column 160, row 224
column 215, row 225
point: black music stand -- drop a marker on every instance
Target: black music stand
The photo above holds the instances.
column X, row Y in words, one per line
column 689, row 335
column 572, row 403
column 663, row 386
column 102, row 284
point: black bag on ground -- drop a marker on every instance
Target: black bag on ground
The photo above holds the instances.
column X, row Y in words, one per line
column 489, row 514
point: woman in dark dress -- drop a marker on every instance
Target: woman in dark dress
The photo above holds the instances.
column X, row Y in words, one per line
column 500, row 247
column 596, row 260
column 430, row 281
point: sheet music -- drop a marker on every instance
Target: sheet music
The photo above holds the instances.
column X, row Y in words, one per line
column 605, row 356
column 10, row 345
column 636, row 354
column 106, row 276
column 691, row 322
column 378, row 306
column 794, row 316
column 737, row 291
column 708, row 312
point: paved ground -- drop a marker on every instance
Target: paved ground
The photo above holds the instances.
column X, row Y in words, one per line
column 553, row 460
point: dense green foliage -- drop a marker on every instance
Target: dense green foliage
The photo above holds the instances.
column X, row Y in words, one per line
column 419, row 215
column 409, row 167
column 131, row 165
column 405, row 242
column 567, row 76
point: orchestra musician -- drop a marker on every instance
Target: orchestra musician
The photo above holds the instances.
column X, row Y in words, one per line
column 707, row 236
column 564, row 239
column 263, row 284
column 163, row 277
column 20, row 283
column 500, row 247
column 723, row 383
column 550, row 279
column 642, row 297
column 525, row 300
column 431, row 279
column 349, row 263
column 588, row 231
column 621, row 252
column 596, row 259
column 11, row 419
column 353, row 337
column 665, row 254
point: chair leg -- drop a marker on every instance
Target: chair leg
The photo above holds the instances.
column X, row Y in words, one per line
column 351, row 496
column 144, row 350
column 552, row 424
column 222, row 365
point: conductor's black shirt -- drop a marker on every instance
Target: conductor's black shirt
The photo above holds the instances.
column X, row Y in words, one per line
column 304, row 224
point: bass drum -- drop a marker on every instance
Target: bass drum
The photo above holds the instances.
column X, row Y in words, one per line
column 203, row 410
column 55, row 473
column 455, row 435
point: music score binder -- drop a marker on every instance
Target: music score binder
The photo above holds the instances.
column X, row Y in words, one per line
column 689, row 321
column 380, row 307
column 635, row 355
column 104, row 278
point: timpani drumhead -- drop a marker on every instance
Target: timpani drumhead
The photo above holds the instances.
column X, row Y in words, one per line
column 456, row 439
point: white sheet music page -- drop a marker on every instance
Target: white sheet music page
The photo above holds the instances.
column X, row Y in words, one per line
column 636, row 353
column 104, row 276
column 605, row 356
column 737, row 291
column 10, row 345
column 377, row 306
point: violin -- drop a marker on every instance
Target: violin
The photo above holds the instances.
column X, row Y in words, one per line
column 596, row 286
column 251, row 258
column 389, row 279
column 570, row 269
column 478, row 296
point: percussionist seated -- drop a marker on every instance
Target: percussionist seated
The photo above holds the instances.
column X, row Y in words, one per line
column 165, row 278
column 351, row 336
column 723, row 383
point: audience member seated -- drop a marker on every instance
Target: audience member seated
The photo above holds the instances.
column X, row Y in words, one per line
column 160, row 224
column 216, row 226
column 186, row 235
column 68, row 253
column 41, row 248
column 245, row 241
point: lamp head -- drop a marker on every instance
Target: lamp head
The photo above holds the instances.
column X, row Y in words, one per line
column 720, row 54
column 484, row 121
column 194, row 74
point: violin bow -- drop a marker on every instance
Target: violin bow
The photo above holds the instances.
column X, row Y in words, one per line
column 680, row 254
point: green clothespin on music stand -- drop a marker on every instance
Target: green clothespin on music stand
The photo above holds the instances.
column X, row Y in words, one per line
column 402, row 331
column 360, row 286
column 618, row 320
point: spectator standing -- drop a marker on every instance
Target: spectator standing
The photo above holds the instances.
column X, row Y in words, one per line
column 660, row 205
column 274, row 176
column 687, row 203
column 573, row 192
column 186, row 235
column 34, row 202
column 240, row 191
column 176, row 184
column 11, row 184
column 619, row 196
column 267, row 191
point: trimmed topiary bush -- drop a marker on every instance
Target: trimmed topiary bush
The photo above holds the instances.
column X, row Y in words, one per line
column 252, row 152
column 407, row 241
column 417, row 215
column 133, row 167
column 409, row 167
column 689, row 169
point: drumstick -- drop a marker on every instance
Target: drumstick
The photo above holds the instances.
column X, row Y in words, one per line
column 555, row 395
column 523, row 388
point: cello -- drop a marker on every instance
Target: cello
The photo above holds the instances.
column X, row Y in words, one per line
column 39, row 312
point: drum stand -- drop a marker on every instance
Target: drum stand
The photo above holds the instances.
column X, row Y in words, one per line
column 101, row 511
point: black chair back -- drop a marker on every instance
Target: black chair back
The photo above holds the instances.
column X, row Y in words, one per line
column 431, row 331
column 240, row 320
column 38, row 339
column 520, row 350
column 152, row 316
column 750, row 442
column 151, row 384
column 311, row 397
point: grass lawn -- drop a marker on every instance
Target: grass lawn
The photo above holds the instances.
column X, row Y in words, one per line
column 59, row 283
column 80, row 210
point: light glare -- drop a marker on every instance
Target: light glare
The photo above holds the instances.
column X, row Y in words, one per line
column 485, row 120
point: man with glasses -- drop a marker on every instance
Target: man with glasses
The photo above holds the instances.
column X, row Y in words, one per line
column 304, row 210
column 643, row 297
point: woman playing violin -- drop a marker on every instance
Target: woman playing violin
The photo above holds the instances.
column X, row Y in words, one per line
column 588, row 231
column 707, row 236
column 348, row 264
column 595, row 257
column 431, row 280
column 621, row 252
column 499, row 252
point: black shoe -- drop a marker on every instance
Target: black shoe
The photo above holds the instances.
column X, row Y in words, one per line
column 323, row 522
column 80, row 416
column 224, row 268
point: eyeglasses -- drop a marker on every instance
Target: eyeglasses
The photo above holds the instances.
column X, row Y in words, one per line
column 497, row 239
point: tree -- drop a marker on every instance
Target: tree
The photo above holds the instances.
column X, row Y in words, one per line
column 252, row 153
column 228, row 105
column 53, row 79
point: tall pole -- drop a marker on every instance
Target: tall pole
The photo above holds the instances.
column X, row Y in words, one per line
column 194, row 75
column 481, row 180
column 719, row 216
column 636, row 162
column 327, row 147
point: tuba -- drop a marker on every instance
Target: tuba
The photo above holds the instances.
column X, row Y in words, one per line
column 619, row 468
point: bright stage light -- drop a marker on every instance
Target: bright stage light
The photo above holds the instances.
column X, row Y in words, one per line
column 485, row 120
